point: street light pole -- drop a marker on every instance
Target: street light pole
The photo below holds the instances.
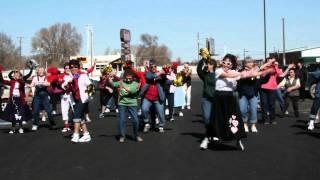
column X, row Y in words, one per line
column 284, row 43
column 265, row 29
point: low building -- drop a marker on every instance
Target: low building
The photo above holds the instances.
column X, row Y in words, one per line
column 307, row 55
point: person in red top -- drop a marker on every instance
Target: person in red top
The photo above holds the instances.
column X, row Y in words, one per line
column 153, row 94
column 17, row 110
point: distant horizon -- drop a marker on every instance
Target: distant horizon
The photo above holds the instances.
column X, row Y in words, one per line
column 235, row 25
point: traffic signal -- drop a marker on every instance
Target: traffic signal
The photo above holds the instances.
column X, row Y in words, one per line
column 125, row 37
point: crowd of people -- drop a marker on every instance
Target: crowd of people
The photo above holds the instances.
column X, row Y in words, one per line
column 231, row 93
column 152, row 97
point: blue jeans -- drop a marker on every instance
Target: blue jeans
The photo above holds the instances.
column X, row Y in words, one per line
column 268, row 99
column 38, row 100
column 146, row 104
column 280, row 99
column 79, row 111
column 206, row 106
column 251, row 104
column 132, row 110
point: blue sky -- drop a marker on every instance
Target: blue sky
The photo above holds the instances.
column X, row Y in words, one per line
column 235, row 24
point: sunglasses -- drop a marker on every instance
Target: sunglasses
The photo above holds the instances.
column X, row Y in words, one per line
column 226, row 63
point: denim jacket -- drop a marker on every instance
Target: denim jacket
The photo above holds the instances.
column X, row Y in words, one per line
column 159, row 87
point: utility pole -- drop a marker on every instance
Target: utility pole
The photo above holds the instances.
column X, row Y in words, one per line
column 244, row 53
column 284, row 43
column 20, row 46
column 198, row 43
column 90, row 43
column 20, row 50
column 265, row 29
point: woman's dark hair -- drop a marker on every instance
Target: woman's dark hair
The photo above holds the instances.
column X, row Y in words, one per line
column 129, row 72
column 212, row 62
column 233, row 59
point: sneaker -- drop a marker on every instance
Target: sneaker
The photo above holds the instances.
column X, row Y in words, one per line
column 181, row 114
column 146, row 128
column 274, row 122
column 254, row 128
column 24, row 122
column 129, row 117
column 286, row 113
column 161, row 130
column 157, row 121
column 246, row 128
column 240, row 145
column 85, row 138
column 215, row 139
column 139, row 112
column 107, row 110
column 182, row 107
column 167, row 112
column 171, row 119
column 54, row 112
column 311, row 125
column 139, row 139
column 34, row 128
column 101, row 115
column 88, row 118
column 43, row 118
column 65, row 130
column 189, row 107
column 121, row 139
column 75, row 138
column 204, row 144
column 11, row 131
column 21, row 131
column 117, row 110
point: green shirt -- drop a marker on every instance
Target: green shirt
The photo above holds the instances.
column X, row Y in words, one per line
column 128, row 98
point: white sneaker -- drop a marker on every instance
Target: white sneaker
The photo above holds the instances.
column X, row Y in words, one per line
column 182, row 107
column 311, row 125
column 215, row 139
column 65, row 130
column 75, row 138
column 240, row 145
column 24, row 122
column 34, row 127
column 189, row 107
column 286, row 113
column 204, row 144
column 117, row 110
column 167, row 112
column 161, row 130
column 254, row 128
column 181, row 114
column 85, row 138
column 54, row 112
column 88, row 118
column 43, row 117
column 11, row 132
column 101, row 115
column 171, row 119
column 107, row 110
column 157, row 121
column 139, row 112
column 21, row 131
column 146, row 128
column 246, row 128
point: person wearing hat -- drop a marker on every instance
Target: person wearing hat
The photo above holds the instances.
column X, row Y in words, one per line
column 79, row 84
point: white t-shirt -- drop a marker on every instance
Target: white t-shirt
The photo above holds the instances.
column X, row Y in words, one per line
column 16, row 91
column 225, row 84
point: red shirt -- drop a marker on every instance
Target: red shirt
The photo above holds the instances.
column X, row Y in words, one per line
column 152, row 93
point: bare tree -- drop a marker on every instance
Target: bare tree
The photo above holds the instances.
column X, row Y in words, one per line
column 110, row 51
column 149, row 49
column 9, row 53
column 57, row 43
